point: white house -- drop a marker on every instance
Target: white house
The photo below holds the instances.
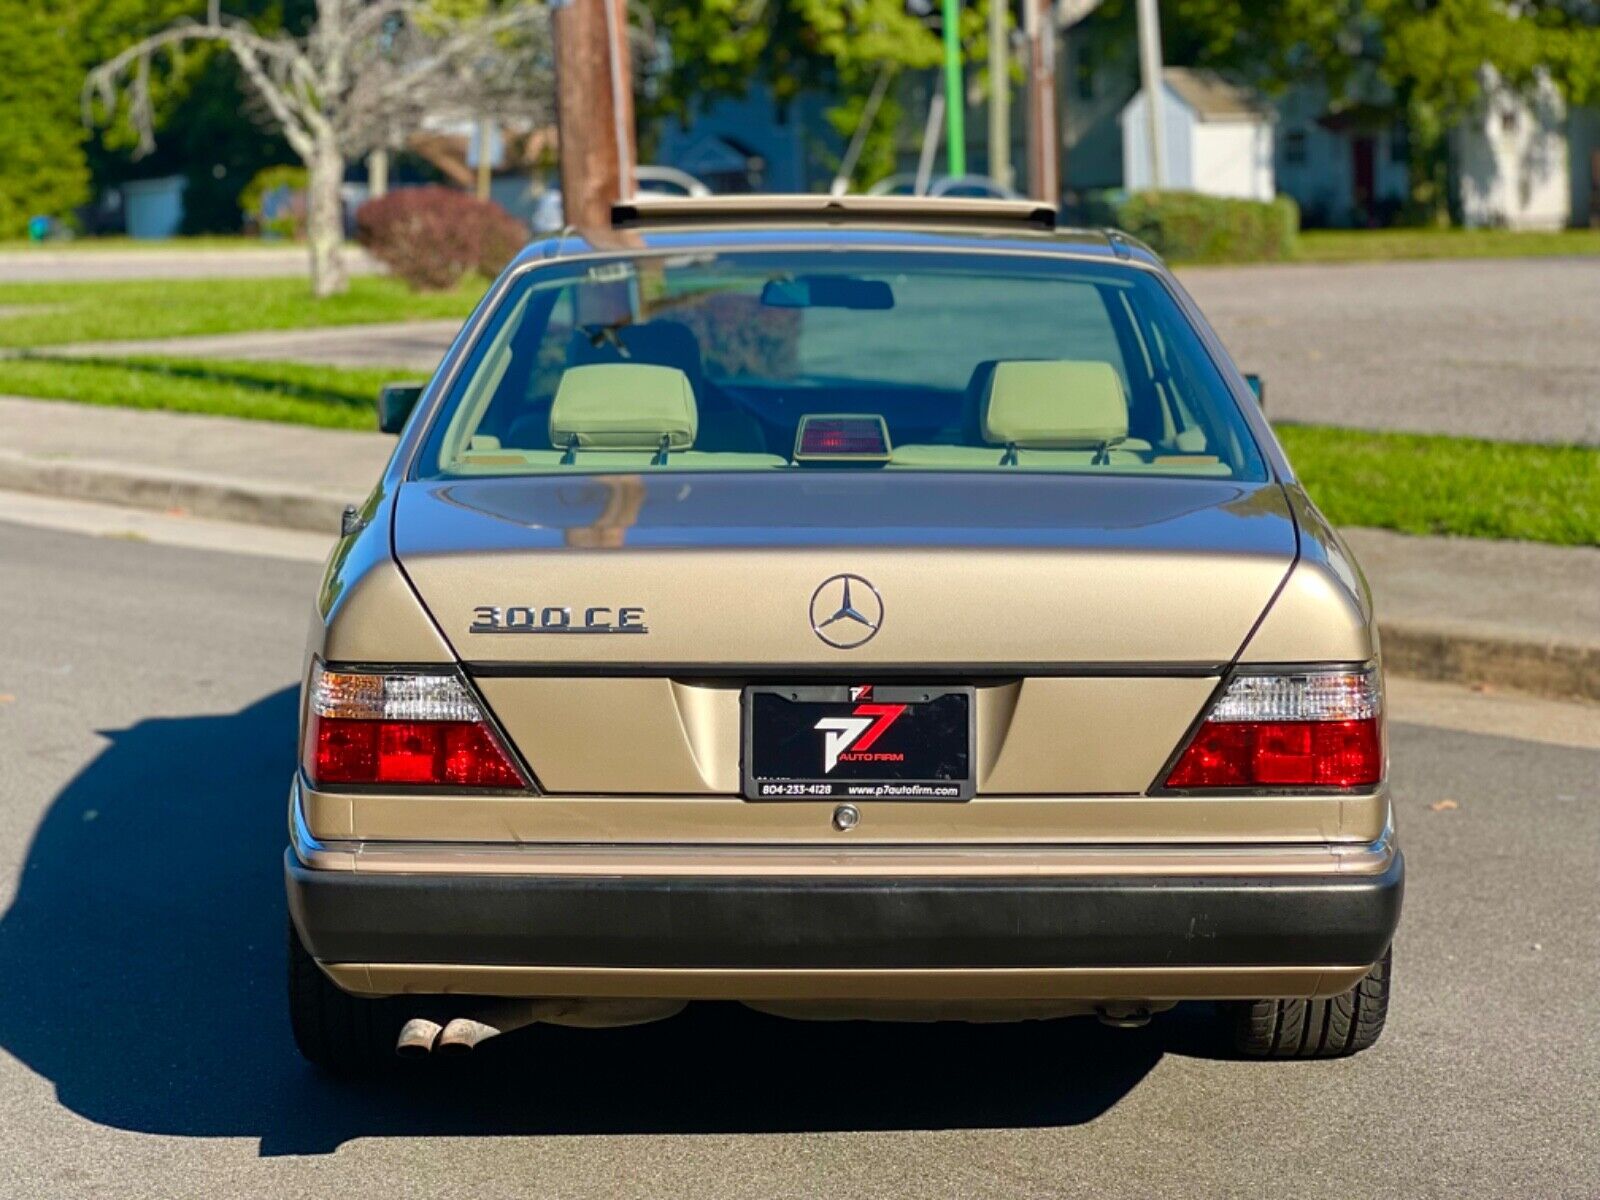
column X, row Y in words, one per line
column 1512, row 161
column 1344, row 164
column 1217, row 137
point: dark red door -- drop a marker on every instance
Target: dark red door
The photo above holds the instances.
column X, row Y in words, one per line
column 1363, row 172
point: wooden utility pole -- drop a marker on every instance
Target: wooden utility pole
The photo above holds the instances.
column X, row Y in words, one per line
column 594, row 108
column 1044, row 132
column 999, row 95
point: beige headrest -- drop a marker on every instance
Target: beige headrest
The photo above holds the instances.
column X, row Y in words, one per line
column 1055, row 405
column 624, row 406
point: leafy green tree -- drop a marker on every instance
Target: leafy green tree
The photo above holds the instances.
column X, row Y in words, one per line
column 209, row 127
column 42, row 170
column 836, row 47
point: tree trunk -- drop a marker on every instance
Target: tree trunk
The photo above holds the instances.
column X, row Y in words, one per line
column 325, row 221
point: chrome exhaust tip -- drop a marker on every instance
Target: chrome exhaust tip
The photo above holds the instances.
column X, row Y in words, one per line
column 416, row 1038
column 462, row 1034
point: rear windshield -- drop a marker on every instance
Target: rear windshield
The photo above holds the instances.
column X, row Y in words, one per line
column 825, row 360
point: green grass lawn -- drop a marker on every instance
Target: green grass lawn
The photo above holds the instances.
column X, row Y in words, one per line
column 43, row 314
column 1416, row 483
column 297, row 393
column 1413, row 483
column 1376, row 245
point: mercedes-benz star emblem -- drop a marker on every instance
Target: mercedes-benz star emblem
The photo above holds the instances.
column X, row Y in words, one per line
column 846, row 611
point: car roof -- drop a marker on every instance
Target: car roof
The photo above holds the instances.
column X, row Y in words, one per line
column 826, row 222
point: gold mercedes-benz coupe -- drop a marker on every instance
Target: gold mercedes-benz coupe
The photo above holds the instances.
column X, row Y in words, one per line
column 855, row 608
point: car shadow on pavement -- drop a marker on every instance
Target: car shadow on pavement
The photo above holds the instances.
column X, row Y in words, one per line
column 142, row 969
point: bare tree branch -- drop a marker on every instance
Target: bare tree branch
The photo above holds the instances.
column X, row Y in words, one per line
column 368, row 73
column 131, row 68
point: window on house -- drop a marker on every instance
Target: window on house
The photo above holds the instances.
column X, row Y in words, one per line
column 1294, row 147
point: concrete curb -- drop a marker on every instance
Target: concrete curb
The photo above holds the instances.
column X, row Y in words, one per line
column 1559, row 670
column 165, row 490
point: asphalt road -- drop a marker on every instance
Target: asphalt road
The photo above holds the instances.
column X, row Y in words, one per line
column 146, row 716
column 1502, row 349
column 1489, row 348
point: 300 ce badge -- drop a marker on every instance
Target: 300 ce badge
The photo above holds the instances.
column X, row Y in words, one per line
column 525, row 618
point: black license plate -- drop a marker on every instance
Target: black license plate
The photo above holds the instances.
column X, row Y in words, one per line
column 858, row 742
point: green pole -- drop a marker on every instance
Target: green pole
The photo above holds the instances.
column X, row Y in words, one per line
column 955, row 95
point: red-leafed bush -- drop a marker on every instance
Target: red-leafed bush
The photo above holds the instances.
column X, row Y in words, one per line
column 432, row 236
column 741, row 336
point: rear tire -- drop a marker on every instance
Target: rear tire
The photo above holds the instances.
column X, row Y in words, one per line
column 333, row 1030
column 1344, row 1024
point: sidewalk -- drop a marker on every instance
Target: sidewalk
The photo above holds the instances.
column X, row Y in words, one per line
column 289, row 476
column 1506, row 614
column 164, row 260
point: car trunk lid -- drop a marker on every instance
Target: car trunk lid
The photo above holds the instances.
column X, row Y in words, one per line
column 1095, row 617
column 963, row 574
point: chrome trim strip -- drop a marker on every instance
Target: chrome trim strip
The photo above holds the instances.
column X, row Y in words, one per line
column 798, row 672
column 469, row 858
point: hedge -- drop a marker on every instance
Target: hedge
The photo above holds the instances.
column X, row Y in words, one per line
column 1192, row 227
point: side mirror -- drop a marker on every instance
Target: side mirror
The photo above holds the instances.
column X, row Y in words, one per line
column 1258, row 385
column 395, row 402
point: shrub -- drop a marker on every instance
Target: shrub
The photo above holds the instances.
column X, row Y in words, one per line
column 274, row 200
column 1199, row 228
column 502, row 237
column 432, row 236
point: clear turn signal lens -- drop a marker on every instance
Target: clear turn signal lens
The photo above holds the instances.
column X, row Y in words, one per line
column 1315, row 729
column 401, row 729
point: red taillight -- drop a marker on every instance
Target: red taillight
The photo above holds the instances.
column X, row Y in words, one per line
column 1242, row 754
column 406, row 730
column 1314, row 730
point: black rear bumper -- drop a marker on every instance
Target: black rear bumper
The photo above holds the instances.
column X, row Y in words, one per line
column 834, row 923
